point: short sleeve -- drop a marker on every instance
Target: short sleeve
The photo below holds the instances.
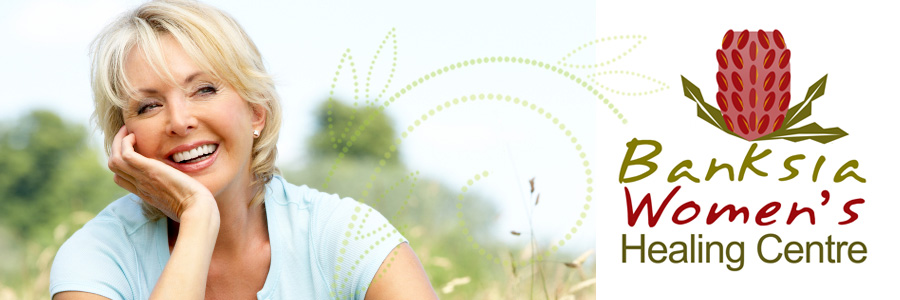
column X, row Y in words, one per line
column 351, row 241
column 91, row 262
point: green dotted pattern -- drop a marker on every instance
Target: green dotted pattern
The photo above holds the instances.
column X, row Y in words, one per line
column 347, row 139
column 361, row 127
column 337, row 140
column 390, row 261
column 661, row 85
column 637, row 38
column 517, row 102
column 362, row 233
column 347, row 58
column 506, row 59
column 380, row 235
column 402, row 209
column 357, row 230
column 412, row 178
column 391, row 35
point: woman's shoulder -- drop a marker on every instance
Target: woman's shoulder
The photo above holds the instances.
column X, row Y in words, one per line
column 320, row 206
column 341, row 234
column 320, row 209
column 102, row 256
column 280, row 192
column 125, row 215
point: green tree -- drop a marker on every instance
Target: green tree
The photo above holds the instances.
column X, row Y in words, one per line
column 51, row 182
column 421, row 208
column 337, row 129
column 48, row 172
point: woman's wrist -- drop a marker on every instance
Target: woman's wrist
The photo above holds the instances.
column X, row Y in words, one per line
column 185, row 274
column 203, row 213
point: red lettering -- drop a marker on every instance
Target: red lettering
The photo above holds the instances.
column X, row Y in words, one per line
column 646, row 201
column 795, row 213
column 690, row 204
column 732, row 213
column 767, row 211
column 850, row 212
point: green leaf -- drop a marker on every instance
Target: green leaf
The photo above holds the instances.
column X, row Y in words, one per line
column 810, row 131
column 705, row 111
column 804, row 109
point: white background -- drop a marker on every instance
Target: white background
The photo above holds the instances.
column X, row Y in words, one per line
column 855, row 44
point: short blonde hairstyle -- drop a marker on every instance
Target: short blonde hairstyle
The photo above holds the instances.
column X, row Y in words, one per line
column 214, row 41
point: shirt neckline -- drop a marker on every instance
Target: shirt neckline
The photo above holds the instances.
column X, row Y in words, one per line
column 271, row 283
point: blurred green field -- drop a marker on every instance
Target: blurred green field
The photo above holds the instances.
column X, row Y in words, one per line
column 52, row 181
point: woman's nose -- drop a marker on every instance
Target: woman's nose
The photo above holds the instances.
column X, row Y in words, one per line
column 181, row 117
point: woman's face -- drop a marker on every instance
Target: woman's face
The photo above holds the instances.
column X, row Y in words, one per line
column 201, row 127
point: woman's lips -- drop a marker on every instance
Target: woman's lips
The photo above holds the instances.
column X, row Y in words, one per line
column 187, row 147
column 196, row 166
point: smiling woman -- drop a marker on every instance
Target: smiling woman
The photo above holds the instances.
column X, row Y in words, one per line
column 191, row 121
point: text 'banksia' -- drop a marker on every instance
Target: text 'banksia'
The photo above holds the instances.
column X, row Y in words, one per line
column 754, row 80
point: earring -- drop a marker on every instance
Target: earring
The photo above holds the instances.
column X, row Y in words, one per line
column 255, row 134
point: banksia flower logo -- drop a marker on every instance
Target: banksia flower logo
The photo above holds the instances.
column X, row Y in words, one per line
column 754, row 96
column 754, row 74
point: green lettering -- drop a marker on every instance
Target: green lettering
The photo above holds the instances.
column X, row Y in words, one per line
column 818, row 166
column 637, row 247
column 787, row 166
column 713, row 168
column 787, row 250
column 850, row 252
column 840, row 176
column 650, row 252
column 644, row 160
column 687, row 164
column 759, row 248
column 748, row 162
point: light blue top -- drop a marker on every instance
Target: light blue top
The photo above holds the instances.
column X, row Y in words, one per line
column 323, row 247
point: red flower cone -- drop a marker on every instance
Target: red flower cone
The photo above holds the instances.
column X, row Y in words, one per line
column 754, row 81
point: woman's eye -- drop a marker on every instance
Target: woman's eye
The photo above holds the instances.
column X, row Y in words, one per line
column 206, row 90
column 147, row 107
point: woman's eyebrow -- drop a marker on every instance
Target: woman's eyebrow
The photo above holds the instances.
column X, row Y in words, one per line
column 192, row 77
column 186, row 81
column 148, row 91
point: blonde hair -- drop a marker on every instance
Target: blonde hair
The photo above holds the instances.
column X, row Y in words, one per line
column 215, row 42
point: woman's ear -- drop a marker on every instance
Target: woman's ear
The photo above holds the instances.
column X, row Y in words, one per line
column 258, row 116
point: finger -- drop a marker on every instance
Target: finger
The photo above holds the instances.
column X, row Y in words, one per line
column 117, row 140
column 125, row 184
column 138, row 161
column 115, row 156
column 130, row 156
column 125, row 176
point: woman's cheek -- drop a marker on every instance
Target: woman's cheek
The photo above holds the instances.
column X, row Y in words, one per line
column 142, row 145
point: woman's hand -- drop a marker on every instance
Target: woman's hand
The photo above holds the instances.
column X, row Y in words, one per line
column 158, row 184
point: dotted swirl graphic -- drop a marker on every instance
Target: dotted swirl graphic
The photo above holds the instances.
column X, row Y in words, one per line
column 393, row 37
column 500, row 98
column 662, row 85
column 638, row 40
column 338, row 140
column 506, row 59
column 358, row 230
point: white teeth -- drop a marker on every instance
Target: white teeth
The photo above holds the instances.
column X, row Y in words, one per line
column 194, row 153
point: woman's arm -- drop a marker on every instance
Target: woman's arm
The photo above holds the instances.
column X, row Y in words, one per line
column 179, row 197
column 184, row 276
column 401, row 276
